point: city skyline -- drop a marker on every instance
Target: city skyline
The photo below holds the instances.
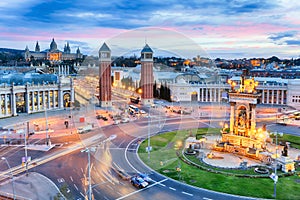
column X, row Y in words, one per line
column 229, row 29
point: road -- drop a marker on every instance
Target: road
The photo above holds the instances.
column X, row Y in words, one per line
column 67, row 165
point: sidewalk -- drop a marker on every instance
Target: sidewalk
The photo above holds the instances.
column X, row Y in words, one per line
column 35, row 186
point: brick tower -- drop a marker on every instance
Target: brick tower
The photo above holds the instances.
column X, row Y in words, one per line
column 105, row 76
column 147, row 75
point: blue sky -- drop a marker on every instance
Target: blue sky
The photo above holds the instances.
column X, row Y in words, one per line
column 226, row 29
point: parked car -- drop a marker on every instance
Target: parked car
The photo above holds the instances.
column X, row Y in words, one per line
column 99, row 116
column 142, row 112
column 138, row 182
column 116, row 122
column 145, row 177
column 125, row 120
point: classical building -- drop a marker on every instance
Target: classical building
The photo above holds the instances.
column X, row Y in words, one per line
column 52, row 54
column 274, row 91
column 39, row 92
column 105, row 76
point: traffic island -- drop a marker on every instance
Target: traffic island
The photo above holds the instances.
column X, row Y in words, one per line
column 169, row 160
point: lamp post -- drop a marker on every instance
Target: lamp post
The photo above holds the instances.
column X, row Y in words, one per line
column 46, row 118
column 12, row 177
column 88, row 150
column 148, row 148
column 275, row 177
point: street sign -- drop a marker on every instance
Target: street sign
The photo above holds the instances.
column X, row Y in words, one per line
column 24, row 159
column 148, row 149
column 274, row 177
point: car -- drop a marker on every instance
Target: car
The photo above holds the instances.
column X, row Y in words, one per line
column 125, row 120
column 116, row 122
column 145, row 177
column 104, row 118
column 99, row 116
column 142, row 112
column 138, row 182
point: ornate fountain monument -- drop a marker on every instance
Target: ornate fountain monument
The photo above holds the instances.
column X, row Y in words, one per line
column 243, row 137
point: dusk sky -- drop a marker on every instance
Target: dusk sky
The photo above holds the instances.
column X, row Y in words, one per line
column 225, row 29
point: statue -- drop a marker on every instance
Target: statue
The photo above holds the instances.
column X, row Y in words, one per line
column 284, row 152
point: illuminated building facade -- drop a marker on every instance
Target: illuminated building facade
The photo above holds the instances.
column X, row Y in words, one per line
column 53, row 54
column 35, row 96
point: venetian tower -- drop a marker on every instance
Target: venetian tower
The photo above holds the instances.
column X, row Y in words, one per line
column 105, row 76
column 147, row 75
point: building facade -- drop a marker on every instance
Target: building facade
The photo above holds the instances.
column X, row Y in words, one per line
column 274, row 91
column 52, row 54
column 31, row 98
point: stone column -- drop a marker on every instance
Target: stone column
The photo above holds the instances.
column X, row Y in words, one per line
column 13, row 104
column 268, row 101
column 282, row 96
column 5, row 105
column 215, row 97
column 206, row 94
column 272, row 98
column 48, row 99
column 43, row 99
column 58, row 70
column 202, row 93
column 38, row 101
column 53, row 98
column 263, row 97
column 32, row 101
column 253, row 117
column 27, row 98
column 210, row 95
column 232, row 104
column 277, row 97
column 219, row 92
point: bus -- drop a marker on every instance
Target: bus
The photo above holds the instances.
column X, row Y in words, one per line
column 135, row 100
column 133, row 109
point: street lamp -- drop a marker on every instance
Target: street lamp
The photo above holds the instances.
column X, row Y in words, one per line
column 274, row 176
column 12, row 177
column 88, row 150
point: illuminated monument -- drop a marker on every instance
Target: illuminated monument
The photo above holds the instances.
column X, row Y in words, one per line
column 242, row 137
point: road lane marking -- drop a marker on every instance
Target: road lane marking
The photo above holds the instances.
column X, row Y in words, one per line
column 82, row 194
column 162, row 184
column 187, row 193
column 71, row 178
column 109, row 187
column 172, row 188
column 75, row 186
column 137, row 191
column 205, row 198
